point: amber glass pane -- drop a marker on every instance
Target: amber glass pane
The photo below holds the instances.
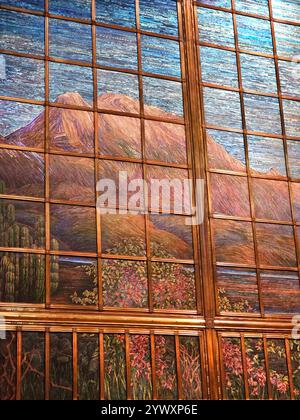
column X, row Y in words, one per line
column 190, row 362
column 278, row 370
column 165, row 361
column 141, row 369
column 233, row 369
column 295, row 359
column 256, row 369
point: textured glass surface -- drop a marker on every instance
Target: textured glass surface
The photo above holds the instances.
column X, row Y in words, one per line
column 160, row 56
column 295, row 359
column 215, row 27
column 116, row 48
column 116, row 12
column 292, row 118
column 286, row 10
column 287, row 40
column 222, row 108
column 257, row 7
column 8, row 363
column 21, row 32
column 296, row 200
column 65, row 80
column 26, row 4
column 294, row 158
column 212, row 60
column 266, row 155
column 256, row 366
column 33, row 366
column 278, row 368
column 218, row 3
column 88, row 367
column 254, row 34
column 190, row 363
column 165, row 362
column 258, row 73
column 262, row 114
column 80, row 9
column 70, row 40
column 141, row 367
column 61, row 366
column 160, row 17
column 115, row 367
column 233, row 368
column 22, row 78
column 289, row 79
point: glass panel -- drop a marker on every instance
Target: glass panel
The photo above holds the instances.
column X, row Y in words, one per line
column 237, row 290
column 117, row 12
column 262, row 114
column 20, row 77
column 61, row 366
column 21, row 32
column 73, row 228
column 256, row 369
column 80, row 9
column 280, row 292
column 173, row 286
column 74, row 281
column 287, row 40
column 125, row 284
column 212, row 60
column 33, row 366
column 294, row 158
column 257, row 7
column 296, row 200
column 70, row 40
column 229, row 195
column 217, row 111
column 111, row 51
column 278, row 370
column 258, row 73
column 190, row 362
column 254, row 34
column 22, row 277
column 215, row 27
column 141, row 368
column 25, row 4
column 71, row 85
column 292, row 118
column 88, row 367
column 115, row 367
column 165, row 360
column 271, row 200
column 233, row 242
column 289, row 78
column 295, row 358
column 21, row 173
column 266, row 156
column 276, row 245
column 8, row 367
column 217, row 3
column 158, row 16
column 286, row 9
column 160, row 56
column 233, row 369
column 72, row 178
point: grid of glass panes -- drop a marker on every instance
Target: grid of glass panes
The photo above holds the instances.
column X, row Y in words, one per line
column 90, row 88
column 249, row 65
column 112, row 365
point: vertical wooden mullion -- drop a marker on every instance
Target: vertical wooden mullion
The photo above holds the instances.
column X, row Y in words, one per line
column 153, row 365
column 289, row 367
column 178, row 367
column 102, row 367
column 75, row 365
column 244, row 361
column 19, row 364
column 47, row 364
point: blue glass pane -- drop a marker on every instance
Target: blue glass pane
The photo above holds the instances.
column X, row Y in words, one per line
column 117, row 12
column 258, row 73
column 21, row 32
column 217, row 3
column 215, row 27
column 222, row 108
column 159, row 16
column 289, row 78
column 219, row 66
column 80, row 9
column 286, row 10
column 292, row 118
column 160, row 56
column 69, row 40
column 287, row 39
column 163, row 96
column 25, row 4
column 266, row 155
column 257, row 7
column 294, row 158
column 254, row 34
column 262, row 114
column 22, row 77
column 116, row 48
column 70, row 84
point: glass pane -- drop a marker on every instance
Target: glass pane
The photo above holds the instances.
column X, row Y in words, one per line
column 257, row 7
column 266, row 156
column 173, row 286
column 289, row 78
column 190, row 362
column 73, row 228
column 294, row 158
column 296, row 200
column 262, row 114
column 295, row 358
column 217, row 111
column 80, row 9
column 141, row 367
column 115, row 367
column 25, row 4
column 74, row 281
column 233, row 368
column 72, row 179
column 125, row 284
column 71, row 85
column 286, row 9
column 233, row 242
column 287, row 40
column 20, row 77
column 215, row 27
column 160, row 56
column 258, row 73
column 218, row 3
column 111, row 51
column 160, row 17
column 8, row 367
column 292, row 118
column 88, row 367
column 212, row 60
column 33, row 366
column 21, row 32
column 70, row 40
column 21, row 173
column 61, row 366
column 254, row 34
column 278, row 370
column 237, row 290
column 165, row 360
column 116, row 12
column 256, row 365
